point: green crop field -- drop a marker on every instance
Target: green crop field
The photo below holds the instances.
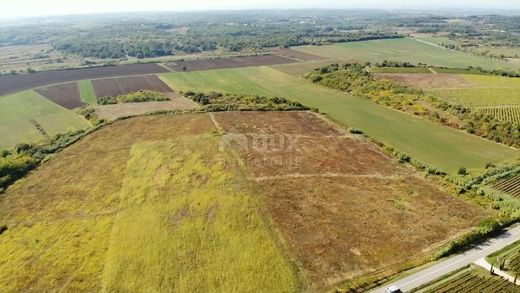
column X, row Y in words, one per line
column 87, row 92
column 404, row 50
column 17, row 110
column 443, row 147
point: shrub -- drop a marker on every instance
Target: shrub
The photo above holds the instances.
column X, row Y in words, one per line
column 462, row 171
column 135, row 97
column 355, row 131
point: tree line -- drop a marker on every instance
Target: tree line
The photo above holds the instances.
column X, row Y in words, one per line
column 353, row 78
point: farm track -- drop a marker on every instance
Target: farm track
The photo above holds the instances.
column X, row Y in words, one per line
column 328, row 175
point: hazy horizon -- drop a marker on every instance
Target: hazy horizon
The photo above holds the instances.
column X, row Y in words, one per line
column 33, row 8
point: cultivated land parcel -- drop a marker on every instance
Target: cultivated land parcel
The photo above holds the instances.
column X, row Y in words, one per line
column 18, row 110
column 403, row 50
column 184, row 207
column 442, row 147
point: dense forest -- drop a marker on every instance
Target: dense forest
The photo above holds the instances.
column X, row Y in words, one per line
column 143, row 36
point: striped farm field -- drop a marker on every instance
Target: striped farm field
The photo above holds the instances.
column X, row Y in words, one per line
column 511, row 186
column 475, row 280
column 504, row 113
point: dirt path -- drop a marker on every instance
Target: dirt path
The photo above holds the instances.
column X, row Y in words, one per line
column 483, row 263
column 326, row 175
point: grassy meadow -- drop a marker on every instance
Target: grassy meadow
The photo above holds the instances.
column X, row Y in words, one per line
column 404, row 50
column 17, row 110
column 439, row 146
column 171, row 213
column 87, row 92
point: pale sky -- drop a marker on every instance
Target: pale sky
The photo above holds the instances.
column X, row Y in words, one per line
column 22, row 8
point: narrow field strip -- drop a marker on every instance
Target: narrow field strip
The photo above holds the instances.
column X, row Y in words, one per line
column 328, row 175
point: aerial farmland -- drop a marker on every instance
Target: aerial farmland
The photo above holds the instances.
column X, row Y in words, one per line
column 260, row 151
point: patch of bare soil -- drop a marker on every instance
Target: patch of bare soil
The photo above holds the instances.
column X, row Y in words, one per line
column 66, row 95
column 115, row 111
column 345, row 208
column 426, row 80
column 125, row 85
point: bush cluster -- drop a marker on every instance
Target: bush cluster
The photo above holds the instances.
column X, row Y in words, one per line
column 217, row 102
column 135, row 97
column 24, row 157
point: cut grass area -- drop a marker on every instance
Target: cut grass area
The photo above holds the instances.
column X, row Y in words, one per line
column 17, row 110
column 403, row 50
column 439, row 146
column 172, row 213
column 87, row 92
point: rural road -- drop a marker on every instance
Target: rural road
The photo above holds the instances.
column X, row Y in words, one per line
column 455, row 262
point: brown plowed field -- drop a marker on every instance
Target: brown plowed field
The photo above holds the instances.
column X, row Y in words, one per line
column 290, row 53
column 344, row 207
column 125, row 85
column 66, row 95
column 233, row 62
column 14, row 83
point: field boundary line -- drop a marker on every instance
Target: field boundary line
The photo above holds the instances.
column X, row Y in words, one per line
column 496, row 107
column 433, row 71
column 166, row 67
column 327, row 175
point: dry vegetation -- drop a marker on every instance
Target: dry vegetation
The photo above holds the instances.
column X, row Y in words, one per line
column 427, row 80
column 159, row 203
column 344, row 207
column 115, row 111
column 146, row 204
